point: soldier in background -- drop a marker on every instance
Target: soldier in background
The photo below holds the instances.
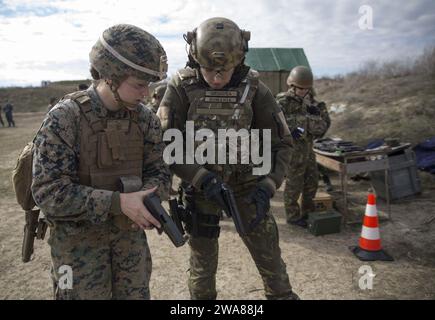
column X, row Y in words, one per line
column 8, row 109
column 307, row 120
column 86, row 143
column 157, row 97
column 158, row 93
column 82, row 86
column 324, row 175
column 218, row 91
column 1, row 119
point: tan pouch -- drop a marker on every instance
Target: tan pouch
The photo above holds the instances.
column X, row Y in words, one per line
column 22, row 178
column 104, row 155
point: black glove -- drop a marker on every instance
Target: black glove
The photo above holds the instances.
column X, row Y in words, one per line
column 297, row 133
column 212, row 187
column 313, row 110
column 261, row 197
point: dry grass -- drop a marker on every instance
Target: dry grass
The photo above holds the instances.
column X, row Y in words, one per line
column 35, row 99
column 394, row 99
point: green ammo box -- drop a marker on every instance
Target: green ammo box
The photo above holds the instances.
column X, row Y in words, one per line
column 320, row 223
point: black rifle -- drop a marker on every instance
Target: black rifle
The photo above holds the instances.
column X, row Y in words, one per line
column 232, row 210
column 34, row 228
column 154, row 206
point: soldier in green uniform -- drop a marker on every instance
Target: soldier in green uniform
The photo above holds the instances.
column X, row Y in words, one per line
column 307, row 120
column 157, row 97
column 1, row 119
column 87, row 142
column 217, row 90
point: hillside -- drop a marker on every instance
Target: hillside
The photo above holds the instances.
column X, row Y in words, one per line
column 364, row 109
column 394, row 99
column 35, row 99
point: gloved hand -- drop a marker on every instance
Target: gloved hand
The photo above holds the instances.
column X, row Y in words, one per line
column 261, row 197
column 313, row 110
column 212, row 188
column 297, row 133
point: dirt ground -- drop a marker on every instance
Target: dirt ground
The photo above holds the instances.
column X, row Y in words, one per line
column 319, row 267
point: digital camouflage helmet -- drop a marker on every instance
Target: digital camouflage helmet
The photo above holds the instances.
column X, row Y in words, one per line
column 218, row 43
column 125, row 50
column 300, row 77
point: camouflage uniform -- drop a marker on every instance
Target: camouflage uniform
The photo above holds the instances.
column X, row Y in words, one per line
column 1, row 119
column 153, row 106
column 157, row 97
column 302, row 177
column 8, row 109
column 188, row 97
column 73, row 184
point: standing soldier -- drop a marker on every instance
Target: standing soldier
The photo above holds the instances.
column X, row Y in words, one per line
column 1, row 119
column 86, row 144
column 82, row 86
column 218, row 91
column 307, row 120
column 8, row 109
column 157, row 97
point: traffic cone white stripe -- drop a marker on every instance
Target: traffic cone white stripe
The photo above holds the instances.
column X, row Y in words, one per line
column 370, row 233
column 369, row 247
column 371, row 210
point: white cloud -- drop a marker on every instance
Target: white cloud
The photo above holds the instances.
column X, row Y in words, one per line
column 50, row 40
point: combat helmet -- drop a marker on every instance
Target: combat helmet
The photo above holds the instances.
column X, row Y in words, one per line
column 159, row 91
column 300, row 77
column 218, row 43
column 125, row 50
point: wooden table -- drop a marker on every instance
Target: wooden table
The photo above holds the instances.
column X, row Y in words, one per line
column 353, row 163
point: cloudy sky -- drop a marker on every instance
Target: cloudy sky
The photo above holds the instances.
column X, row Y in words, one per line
column 50, row 40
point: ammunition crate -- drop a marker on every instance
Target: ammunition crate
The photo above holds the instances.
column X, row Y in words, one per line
column 321, row 223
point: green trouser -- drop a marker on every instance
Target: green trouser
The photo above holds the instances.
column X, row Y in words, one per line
column 107, row 262
column 262, row 243
column 302, row 179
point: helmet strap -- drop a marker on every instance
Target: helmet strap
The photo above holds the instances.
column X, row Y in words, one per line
column 114, row 86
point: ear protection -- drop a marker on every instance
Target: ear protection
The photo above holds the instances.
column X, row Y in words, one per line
column 190, row 38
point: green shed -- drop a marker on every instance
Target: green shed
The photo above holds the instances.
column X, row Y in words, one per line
column 275, row 64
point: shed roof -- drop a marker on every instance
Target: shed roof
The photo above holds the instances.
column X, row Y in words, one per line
column 275, row 59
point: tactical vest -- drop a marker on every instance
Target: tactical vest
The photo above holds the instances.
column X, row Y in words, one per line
column 109, row 148
column 230, row 108
column 294, row 111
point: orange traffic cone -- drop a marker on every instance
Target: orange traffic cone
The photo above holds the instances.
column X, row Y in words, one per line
column 370, row 248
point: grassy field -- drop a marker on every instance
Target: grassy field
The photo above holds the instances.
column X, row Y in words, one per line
column 401, row 108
